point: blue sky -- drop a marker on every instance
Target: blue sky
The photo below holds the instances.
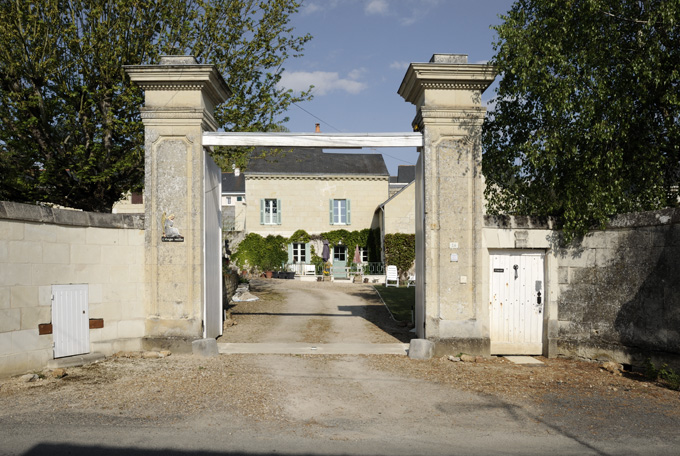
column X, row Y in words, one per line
column 360, row 52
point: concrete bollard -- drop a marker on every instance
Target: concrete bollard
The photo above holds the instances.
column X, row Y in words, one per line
column 421, row 349
column 205, row 347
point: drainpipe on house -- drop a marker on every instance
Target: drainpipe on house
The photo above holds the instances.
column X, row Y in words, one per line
column 382, row 235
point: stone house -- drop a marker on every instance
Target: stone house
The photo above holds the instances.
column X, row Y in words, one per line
column 314, row 191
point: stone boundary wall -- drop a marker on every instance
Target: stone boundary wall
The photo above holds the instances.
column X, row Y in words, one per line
column 616, row 292
column 43, row 246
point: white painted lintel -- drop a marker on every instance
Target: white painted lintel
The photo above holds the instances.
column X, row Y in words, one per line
column 322, row 140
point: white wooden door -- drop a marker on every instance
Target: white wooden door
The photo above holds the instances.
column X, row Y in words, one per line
column 516, row 302
column 212, row 250
column 70, row 320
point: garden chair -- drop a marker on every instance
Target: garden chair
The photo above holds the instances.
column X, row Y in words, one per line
column 392, row 276
column 411, row 280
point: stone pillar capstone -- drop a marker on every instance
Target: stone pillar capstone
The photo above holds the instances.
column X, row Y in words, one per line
column 180, row 96
column 449, row 201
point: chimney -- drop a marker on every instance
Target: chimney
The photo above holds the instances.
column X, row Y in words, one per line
column 317, row 129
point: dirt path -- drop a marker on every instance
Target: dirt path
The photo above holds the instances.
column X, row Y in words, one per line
column 311, row 404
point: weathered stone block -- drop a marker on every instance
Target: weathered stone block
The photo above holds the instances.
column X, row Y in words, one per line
column 421, row 349
column 129, row 329
column 25, row 252
column 11, row 230
column 24, row 296
column 56, row 253
column 562, row 275
column 4, row 298
column 31, row 317
column 205, row 347
column 86, row 254
column 10, row 320
column 29, row 340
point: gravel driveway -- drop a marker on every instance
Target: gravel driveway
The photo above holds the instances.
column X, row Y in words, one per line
column 313, row 404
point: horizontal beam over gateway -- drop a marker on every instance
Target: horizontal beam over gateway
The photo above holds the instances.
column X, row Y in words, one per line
column 322, row 140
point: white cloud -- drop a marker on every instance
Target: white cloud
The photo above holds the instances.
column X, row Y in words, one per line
column 419, row 12
column 323, row 81
column 376, row 7
column 399, row 65
column 310, row 8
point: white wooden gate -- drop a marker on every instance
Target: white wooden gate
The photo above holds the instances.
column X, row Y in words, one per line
column 212, row 250
column 70, row 320
column 516, row 302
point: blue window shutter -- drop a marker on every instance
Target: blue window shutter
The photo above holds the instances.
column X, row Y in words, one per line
column 308, row 255
column 262, row 212
column 331, row 211
column 349, row 219
column 278, row 211
column 290, row 253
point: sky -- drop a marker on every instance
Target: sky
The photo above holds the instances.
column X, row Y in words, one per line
column 360, row 52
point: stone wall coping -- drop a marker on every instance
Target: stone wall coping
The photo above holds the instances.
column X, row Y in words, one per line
column 45, row 214
column 622, row 221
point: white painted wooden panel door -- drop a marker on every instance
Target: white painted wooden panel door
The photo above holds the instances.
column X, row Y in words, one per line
column 516, row 302
column 70, row 320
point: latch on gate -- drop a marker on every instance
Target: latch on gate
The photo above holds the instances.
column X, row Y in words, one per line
column 538, row 298
column 516, row 267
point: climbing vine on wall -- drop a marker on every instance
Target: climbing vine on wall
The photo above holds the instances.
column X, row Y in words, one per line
column 258, row 253
column 400, row 250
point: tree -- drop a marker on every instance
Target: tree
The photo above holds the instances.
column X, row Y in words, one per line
column 70, row 129
column 586, row 117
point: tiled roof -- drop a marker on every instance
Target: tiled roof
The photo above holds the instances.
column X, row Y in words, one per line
column 233, row 184
column 315, row 161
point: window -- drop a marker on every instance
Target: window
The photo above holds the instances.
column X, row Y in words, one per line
column 299, row 250
column 239, row 198
column 364, row 254
column 339, row 254
column 270, row 211
column 339, row 212
column 228, row 199
column 137, row 198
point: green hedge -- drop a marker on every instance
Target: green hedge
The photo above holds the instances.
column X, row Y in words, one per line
column 400, row 250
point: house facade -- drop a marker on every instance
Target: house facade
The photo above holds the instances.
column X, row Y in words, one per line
column 314, row 191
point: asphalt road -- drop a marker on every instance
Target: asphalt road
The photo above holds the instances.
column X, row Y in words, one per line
column 321, row 405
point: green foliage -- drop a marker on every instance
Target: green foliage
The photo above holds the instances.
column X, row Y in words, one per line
column 259, row 254
column 70, row 127
column 400, row 250
column 663, row 374
column 367, row 238
column 586, row 118
column 300, row 236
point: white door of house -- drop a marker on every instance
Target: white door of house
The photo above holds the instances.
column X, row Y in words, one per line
column 70, row 320
column 516, row 302
column 212, row 250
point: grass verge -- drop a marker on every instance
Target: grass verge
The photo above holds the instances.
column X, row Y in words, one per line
column 399, row 300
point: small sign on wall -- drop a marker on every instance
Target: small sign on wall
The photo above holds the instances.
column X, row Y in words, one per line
column 170, row 233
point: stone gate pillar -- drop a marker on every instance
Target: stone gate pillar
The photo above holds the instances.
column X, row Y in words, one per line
column 449, row 191
column 180, row 98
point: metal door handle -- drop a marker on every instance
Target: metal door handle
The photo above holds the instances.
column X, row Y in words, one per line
column 515, row 267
